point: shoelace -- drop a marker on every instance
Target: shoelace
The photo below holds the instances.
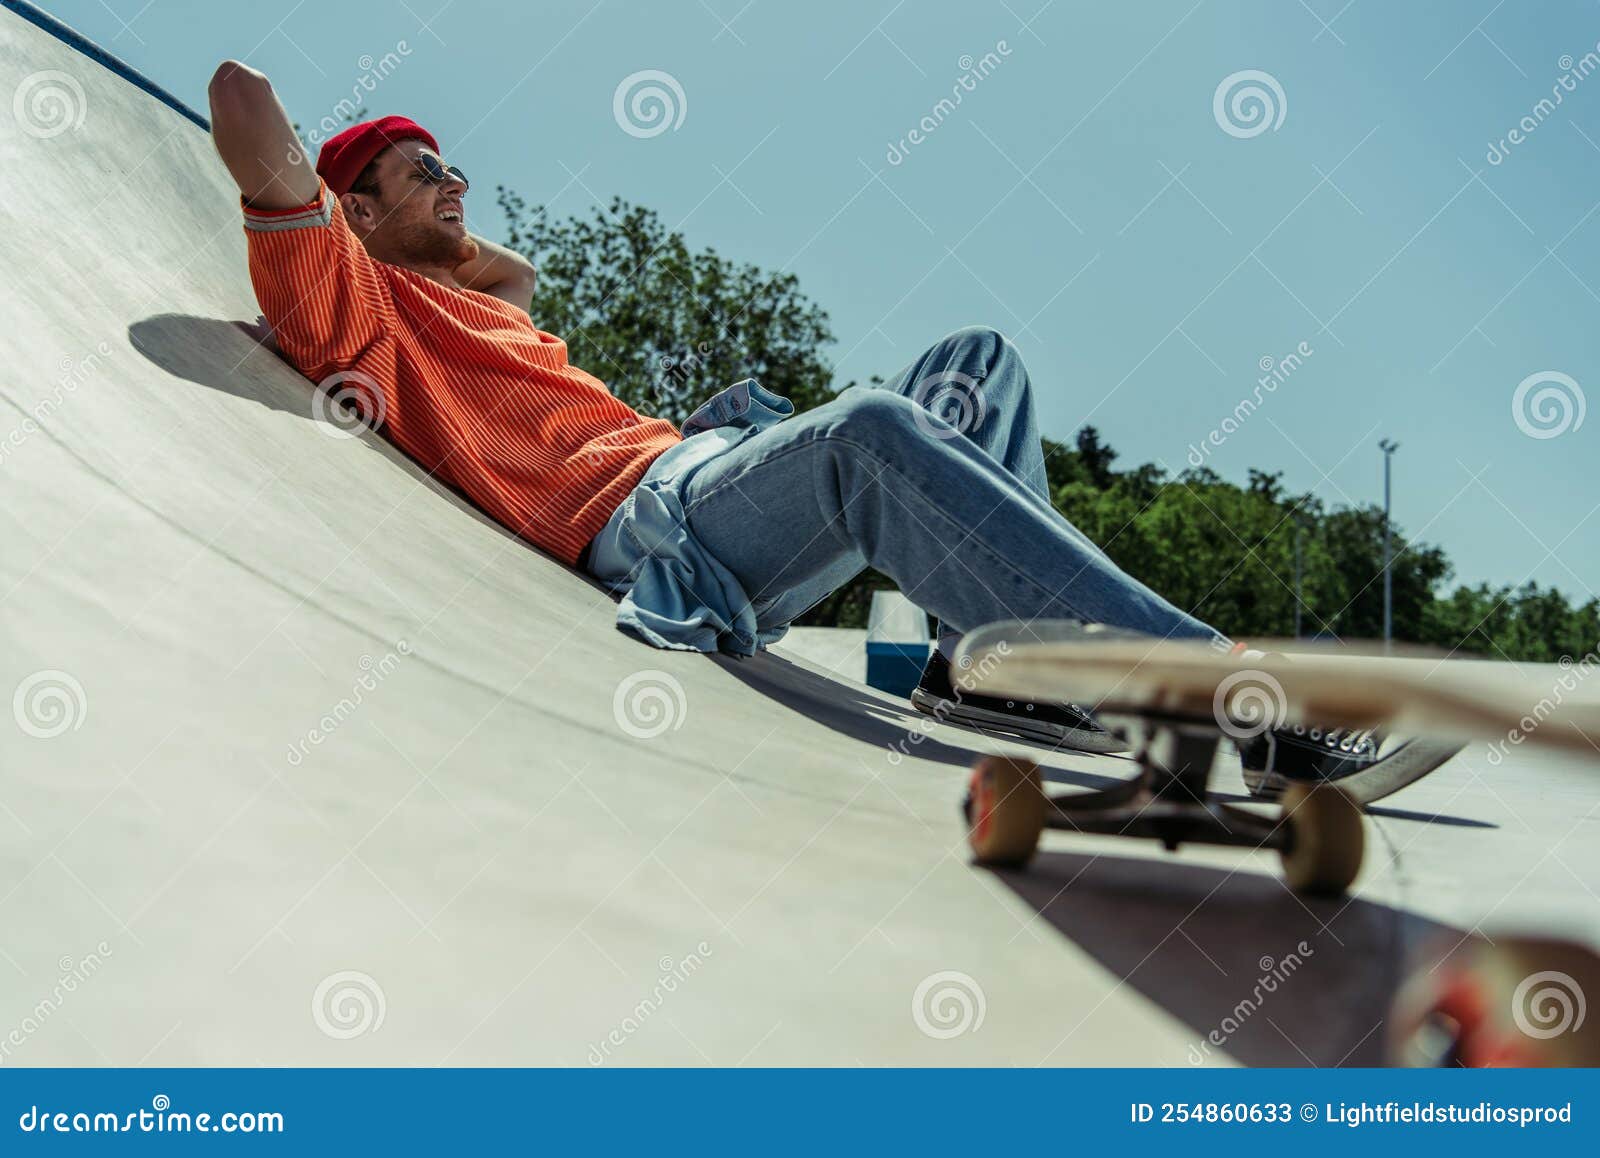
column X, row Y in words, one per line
column 1354, row 741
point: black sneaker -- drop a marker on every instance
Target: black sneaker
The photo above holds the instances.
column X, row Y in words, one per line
column 1066, row 725
column 1366, row 763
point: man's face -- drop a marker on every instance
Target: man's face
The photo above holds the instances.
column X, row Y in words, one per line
column 411, row 221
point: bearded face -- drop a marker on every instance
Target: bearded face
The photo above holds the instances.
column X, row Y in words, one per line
column 409, row 217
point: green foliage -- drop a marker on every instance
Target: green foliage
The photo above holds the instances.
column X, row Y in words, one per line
column 1513, row 623
column 1227, row 553
column 663, row 325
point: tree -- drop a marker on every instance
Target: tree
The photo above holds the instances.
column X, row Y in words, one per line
column 1355, row 540
column 1513, row 623
column 1221, row 552
column 667, row 327
column 1096, row 457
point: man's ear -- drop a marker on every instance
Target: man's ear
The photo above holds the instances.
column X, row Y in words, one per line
column 358, row 211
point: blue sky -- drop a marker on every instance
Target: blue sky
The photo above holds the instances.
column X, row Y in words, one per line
column 1084, row 197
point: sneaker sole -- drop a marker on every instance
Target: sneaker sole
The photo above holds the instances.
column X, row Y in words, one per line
column 954, row 712
column 1384, row 778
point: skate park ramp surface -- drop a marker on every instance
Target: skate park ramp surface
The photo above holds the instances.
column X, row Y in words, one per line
column 307, row 762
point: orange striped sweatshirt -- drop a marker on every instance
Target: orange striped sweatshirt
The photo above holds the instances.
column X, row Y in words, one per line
column 470, row 387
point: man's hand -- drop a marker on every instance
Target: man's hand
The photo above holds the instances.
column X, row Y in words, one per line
column 256, row 141
column 499, row 272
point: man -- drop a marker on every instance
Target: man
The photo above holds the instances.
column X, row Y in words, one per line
column 716, row 536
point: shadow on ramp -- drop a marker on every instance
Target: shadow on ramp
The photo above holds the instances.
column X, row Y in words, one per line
column 1428, row 817
column 894, row 732
column 240, row 358
column 1256, row 972
column 217, row 353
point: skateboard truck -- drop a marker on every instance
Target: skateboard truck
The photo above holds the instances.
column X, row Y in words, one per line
column 1318, row 833
column 1180, row 698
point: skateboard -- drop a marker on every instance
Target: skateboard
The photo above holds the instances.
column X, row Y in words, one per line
column 1505, row 1001
column 1176, row 701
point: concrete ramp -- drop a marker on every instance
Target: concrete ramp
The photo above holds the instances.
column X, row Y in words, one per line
column 307, row 762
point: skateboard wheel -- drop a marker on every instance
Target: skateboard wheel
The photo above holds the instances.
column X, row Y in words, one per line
column 1326, row 839
column 1005, row 811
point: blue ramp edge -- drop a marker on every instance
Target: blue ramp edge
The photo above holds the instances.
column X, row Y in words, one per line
column 42, row 19
column 895, row 667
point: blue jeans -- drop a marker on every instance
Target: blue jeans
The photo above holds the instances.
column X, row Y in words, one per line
column 937, row 479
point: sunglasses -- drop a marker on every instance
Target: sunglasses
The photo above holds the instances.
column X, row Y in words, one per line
column 437, row 172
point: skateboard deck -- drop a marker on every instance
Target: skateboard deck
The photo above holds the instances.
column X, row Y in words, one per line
column 1407, row 691
column 1176, row 701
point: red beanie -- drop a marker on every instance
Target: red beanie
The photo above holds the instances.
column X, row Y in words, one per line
column 344, row 156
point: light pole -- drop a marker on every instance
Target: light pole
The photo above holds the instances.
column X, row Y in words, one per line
column 1297, row 599
column 1388, row 446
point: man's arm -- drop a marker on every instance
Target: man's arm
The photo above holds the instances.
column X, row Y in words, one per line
column 499, row 272
column 256, row 141
column 319, row 289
